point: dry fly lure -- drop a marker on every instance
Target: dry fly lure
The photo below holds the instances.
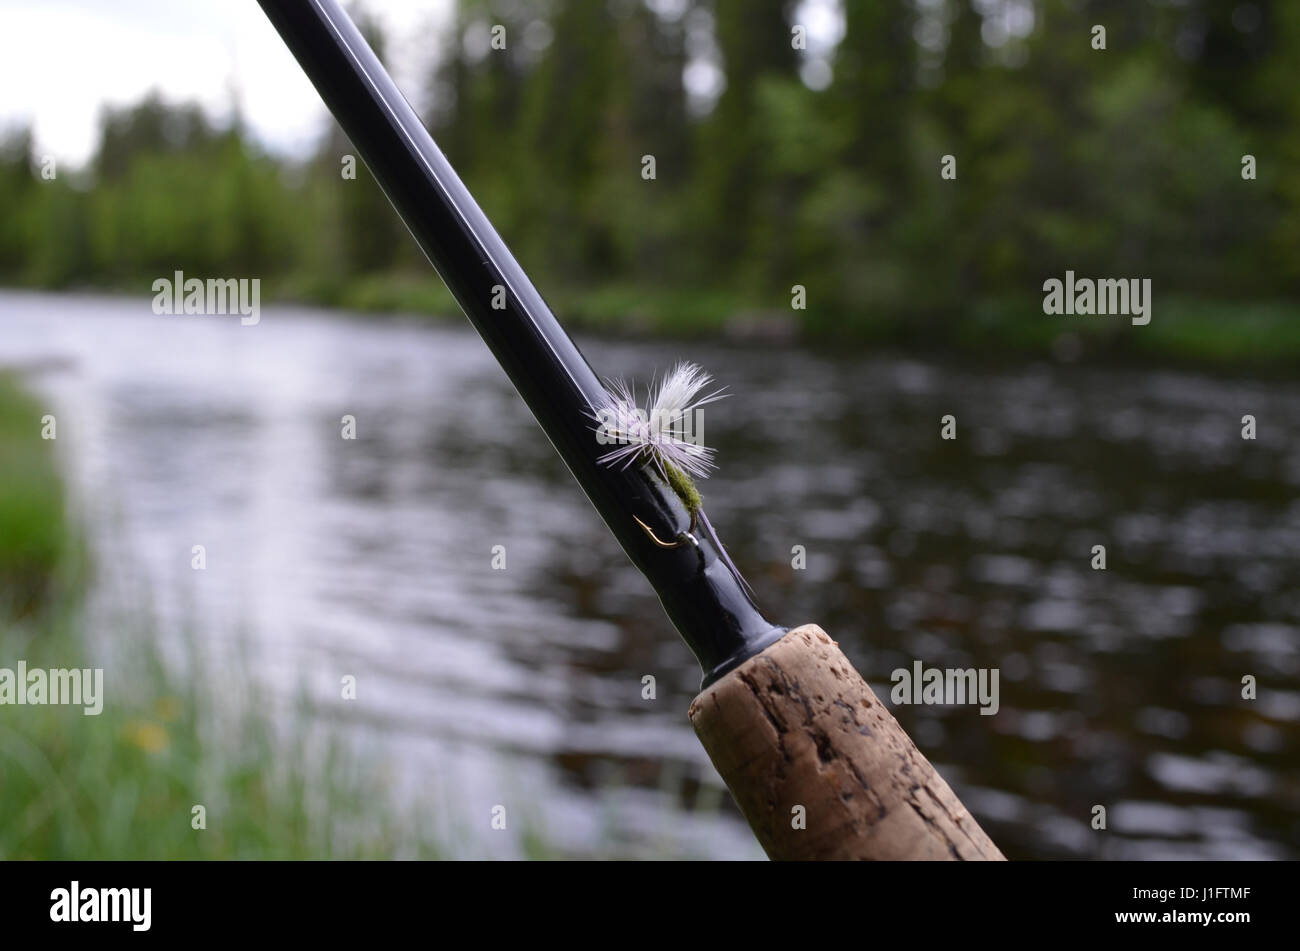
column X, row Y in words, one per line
column 666, row 435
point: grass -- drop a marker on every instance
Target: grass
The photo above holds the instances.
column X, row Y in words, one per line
column 610, row 308
column 1223, row 334
column 125, row 783
column 32, row 530
column 1234, row 336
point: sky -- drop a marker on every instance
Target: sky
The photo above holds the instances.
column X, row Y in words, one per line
column 62, row 60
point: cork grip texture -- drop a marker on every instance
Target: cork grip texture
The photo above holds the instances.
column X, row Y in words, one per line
column 798, row 726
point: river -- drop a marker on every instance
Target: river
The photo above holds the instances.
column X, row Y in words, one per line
column 373, row 558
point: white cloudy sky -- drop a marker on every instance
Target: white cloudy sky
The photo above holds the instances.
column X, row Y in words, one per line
column 61, row 60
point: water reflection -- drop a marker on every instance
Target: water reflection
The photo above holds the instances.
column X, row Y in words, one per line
column 374, row 556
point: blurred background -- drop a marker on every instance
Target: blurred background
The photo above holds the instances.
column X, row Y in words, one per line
column 145, row 140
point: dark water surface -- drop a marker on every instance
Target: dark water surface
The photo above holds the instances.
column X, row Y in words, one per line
column 373, row 558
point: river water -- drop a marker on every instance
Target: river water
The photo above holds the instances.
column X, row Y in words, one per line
column 373, row 558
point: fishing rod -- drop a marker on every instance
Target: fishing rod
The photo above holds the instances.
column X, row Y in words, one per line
column 818, row 766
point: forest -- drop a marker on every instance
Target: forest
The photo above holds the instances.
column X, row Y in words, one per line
column 913, row 183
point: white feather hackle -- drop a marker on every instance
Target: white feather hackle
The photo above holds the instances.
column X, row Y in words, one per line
column 659, row 433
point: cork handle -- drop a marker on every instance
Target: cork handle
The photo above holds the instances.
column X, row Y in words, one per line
column 797, row 726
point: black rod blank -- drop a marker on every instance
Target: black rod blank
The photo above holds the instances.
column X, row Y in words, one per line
column 699, row 587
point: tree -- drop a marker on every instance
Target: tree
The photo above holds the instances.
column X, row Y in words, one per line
column 754, row 40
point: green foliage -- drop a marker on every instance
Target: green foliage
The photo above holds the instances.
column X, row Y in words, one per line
column 33, row 534
column 124, row 784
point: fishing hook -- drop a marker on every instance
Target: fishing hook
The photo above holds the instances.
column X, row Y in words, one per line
column 688, row 534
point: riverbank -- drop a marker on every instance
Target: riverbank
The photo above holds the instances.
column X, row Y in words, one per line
column 168, row 768
column 1256, row 336
column 1218, row 335
column 33, row 530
